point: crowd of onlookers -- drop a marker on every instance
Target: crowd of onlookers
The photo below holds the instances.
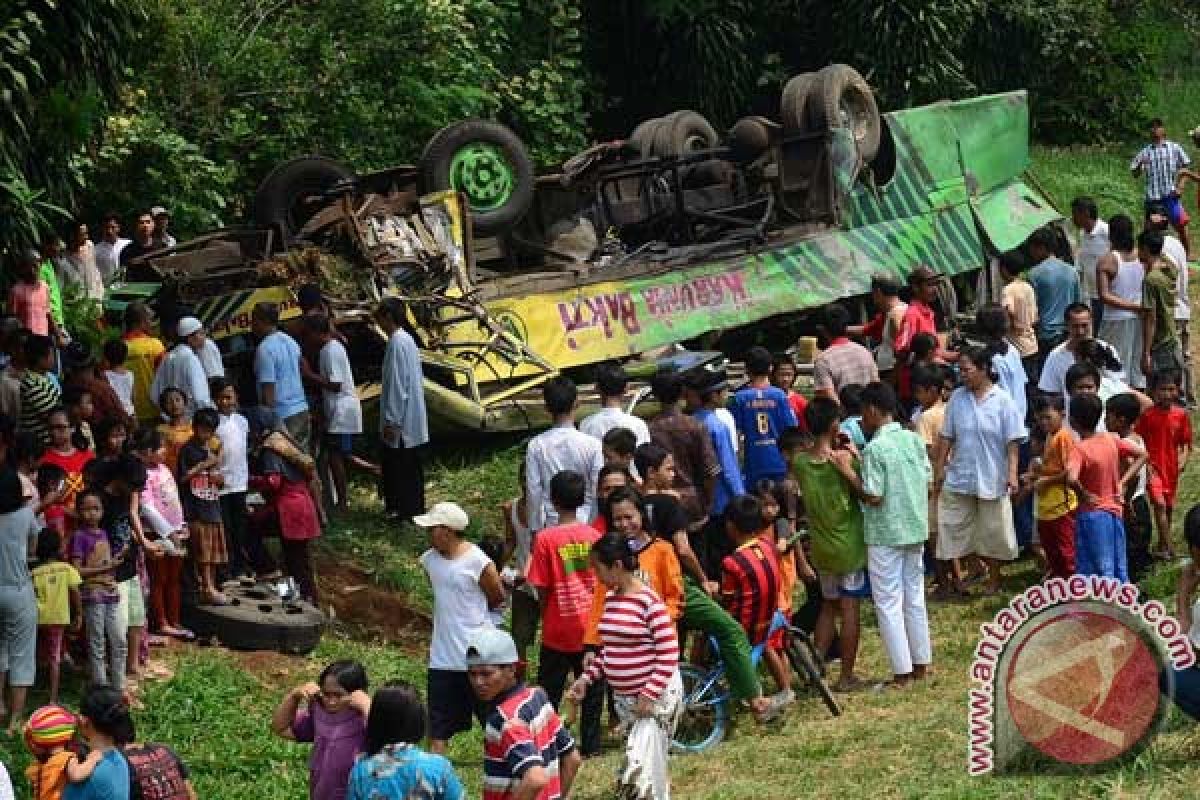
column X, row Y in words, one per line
column 917, row 468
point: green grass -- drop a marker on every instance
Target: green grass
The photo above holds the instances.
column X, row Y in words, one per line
column 216, row 711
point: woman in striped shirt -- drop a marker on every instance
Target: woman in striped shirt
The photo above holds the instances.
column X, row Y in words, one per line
column 639, row 657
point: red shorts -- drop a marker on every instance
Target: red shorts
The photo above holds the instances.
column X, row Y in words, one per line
column 1058, row 541
column 1161, row 491
column 50, row 644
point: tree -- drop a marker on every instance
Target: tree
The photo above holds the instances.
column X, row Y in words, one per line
column 60, row 62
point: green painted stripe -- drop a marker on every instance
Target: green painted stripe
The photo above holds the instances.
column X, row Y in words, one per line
column 962, row 227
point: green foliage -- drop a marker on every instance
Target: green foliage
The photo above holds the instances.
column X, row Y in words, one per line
column 170, row 170
column 59, row 62
column 83, row 317
column 923, row 58
column 1087, row 73
column 24, row 211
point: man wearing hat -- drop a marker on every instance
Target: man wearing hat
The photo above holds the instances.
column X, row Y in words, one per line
column 528, row 753
column 162, row 219
column 181, row 368
column 466, row 585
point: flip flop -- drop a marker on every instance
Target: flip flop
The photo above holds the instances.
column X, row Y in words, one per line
column 216, row 600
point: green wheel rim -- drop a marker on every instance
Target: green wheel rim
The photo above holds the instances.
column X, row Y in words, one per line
column 482, row 172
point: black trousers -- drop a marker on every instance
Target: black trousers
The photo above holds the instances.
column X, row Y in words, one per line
column 553, row 668
column 403, row 481
column 233, row 514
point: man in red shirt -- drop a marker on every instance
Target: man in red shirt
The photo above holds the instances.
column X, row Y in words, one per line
column 885, row 326
column 560, row 570
column 918, row 318
column 750, row 579
column 1167, row 432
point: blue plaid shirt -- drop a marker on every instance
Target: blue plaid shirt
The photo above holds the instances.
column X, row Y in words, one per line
column 1162, row 162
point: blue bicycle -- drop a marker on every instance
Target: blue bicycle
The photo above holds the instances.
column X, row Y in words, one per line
column 706, row 697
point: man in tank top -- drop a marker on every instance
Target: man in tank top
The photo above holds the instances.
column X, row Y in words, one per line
column 1119, row 277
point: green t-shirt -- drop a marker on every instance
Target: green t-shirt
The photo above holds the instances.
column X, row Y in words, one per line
column 1158, row 293
column 834, row 517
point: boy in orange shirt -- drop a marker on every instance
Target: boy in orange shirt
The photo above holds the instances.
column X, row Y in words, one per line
column 1167, row 431
column 1056, row 503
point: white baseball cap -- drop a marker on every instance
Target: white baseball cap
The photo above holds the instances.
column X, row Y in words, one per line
column 450, row 515
column 491, row 647
column 187, row 326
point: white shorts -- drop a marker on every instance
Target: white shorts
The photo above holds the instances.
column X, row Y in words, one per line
column 849, row 584
column 968, row 525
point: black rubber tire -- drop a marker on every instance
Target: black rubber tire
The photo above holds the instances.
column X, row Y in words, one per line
column 682, row 132
column 806, row 663
column 435, row 170
column 794, row 102
column 256, row 619
column 280, row 198
column 835, row 85
column 642, row 137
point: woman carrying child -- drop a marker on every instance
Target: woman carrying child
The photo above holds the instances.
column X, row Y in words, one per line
column 284, row 476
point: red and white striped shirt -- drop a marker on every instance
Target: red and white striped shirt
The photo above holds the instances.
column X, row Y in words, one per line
column 639, row 651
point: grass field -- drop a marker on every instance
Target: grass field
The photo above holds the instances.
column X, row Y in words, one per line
column 216, row 710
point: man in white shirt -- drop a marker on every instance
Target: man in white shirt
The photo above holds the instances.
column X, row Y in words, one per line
column 181, row 369
column 1053, row 379
column 162, row 220
column 342, row 408
column 108, row 249
column 561, row 447
column 611, row 383
column 1090, row 247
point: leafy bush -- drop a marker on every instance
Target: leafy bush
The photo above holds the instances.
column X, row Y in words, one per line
column 1087, row 73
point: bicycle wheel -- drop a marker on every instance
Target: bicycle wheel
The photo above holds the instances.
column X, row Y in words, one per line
column 705, row 716
column 807, row 664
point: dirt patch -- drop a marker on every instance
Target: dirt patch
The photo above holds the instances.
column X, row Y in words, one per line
column 275, row 670
column 363, row 605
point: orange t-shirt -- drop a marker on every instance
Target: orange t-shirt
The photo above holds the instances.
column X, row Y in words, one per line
column 1096, row 464
column 659, row 568
column 1057, row 499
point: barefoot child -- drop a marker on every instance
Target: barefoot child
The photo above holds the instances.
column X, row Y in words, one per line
column 334, row 719
column 93, row 559
column 56, row 584
column 48, row 734
column 1121, row 414
column 1056, row 503
column 750, row 581
column 835, row 520
column 1094, row 472
column 1167, row 431
column 163, row 509
column 199, row 480
column 177, row 430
